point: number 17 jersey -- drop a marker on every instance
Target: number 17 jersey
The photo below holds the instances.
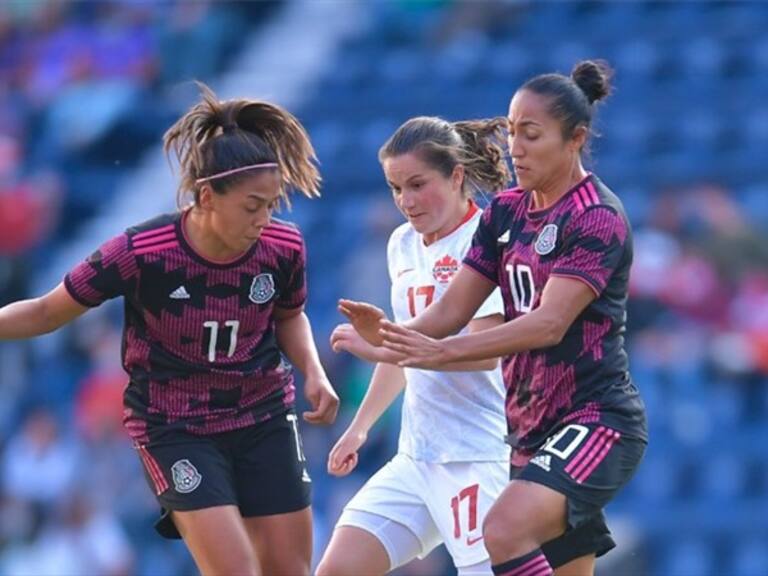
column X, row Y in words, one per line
column 446, row 416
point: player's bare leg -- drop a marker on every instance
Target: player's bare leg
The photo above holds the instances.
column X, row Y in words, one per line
column 283, row 542
column 218, row 541
column 522, row 518
column 582, row 566
column 353, row 552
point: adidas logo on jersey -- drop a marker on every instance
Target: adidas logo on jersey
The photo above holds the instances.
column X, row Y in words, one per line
column 180, row 294
column 542, row 461
column 504, row 238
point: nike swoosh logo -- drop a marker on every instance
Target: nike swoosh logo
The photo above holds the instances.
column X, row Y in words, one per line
column 404, row 271
column 473, row 541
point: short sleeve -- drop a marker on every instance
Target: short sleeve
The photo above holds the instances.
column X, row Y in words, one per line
column 492, row 305
column 593, row 247
column 483, row 254
column 294, row 293
column 109, row 272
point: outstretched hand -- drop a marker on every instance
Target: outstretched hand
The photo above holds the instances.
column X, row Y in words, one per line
column 366, row 318
column 418, row 350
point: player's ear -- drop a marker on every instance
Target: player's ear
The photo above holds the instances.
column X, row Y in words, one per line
column 457, row 176
column 205, row 198
column 579, row 138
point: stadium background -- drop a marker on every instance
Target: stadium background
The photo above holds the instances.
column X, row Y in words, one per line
column 87, row 89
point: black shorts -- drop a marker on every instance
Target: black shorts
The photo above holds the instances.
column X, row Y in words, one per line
column 260, row 469
column 588, row 464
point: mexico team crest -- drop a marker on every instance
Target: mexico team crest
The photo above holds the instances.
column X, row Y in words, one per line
column 547, row 239
column 186, row 478
column 262, row 288
column 445, row 268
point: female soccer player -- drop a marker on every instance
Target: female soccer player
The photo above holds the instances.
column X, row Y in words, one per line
column 452, row 462
column 214, row 298
column 559, row 247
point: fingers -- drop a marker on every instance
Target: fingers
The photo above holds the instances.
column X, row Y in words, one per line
column 351, row 308
column 325, row 412
column 341, row 464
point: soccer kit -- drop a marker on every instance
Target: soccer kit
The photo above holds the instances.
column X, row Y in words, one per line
column 577, row 423
column 452, row 461
column 210, row 400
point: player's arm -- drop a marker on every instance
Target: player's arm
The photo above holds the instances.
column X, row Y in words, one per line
column 345, row 338
column 456, row 308
column 294, row 337
column 36, row 316
column 387, row 382
column 562, row 300
column 464, row 296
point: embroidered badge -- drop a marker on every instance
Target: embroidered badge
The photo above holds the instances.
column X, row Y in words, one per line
column 186, row 478
column 547, row 239
column 445, row 268
column 262, row 288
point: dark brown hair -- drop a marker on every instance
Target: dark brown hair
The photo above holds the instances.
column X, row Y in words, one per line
column 475, row 144
column 572, row 98
column 216, row 136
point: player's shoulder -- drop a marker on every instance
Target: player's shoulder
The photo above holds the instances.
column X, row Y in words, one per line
column 594, row 197
column 403, row 234
column 156, row 225
column 155, row 235
column 507, row 198
column 279, row 225
column 283, row 233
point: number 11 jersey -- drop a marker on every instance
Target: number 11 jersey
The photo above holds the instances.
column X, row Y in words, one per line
column 199, row 339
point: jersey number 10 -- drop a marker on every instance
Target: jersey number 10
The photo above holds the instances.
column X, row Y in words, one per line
column 522, row 287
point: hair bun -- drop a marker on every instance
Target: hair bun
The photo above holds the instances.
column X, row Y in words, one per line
column 594, row 79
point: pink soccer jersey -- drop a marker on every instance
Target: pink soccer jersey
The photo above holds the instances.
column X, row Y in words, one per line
column 585, row 378
column 199, row 340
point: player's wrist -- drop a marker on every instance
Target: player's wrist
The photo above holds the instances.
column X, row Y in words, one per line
column 452, row 349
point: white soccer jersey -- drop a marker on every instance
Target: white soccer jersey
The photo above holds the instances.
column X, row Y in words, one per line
column 447, row 416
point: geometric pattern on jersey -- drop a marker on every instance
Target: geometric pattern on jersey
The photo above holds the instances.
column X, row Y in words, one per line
column 446, row 416
column 199, row 341
column 585, row 235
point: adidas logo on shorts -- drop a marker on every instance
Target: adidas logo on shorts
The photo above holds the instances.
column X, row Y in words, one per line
column 542, row 461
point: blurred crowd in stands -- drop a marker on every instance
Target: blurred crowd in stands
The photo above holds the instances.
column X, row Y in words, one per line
column 87, row 87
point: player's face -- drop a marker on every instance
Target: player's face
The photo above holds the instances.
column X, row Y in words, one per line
column 239, row 215
column 431, row 202
column 539, row 152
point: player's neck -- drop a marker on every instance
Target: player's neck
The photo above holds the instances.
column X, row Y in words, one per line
column 204, row 241
column 550, row 192
column 459, row 216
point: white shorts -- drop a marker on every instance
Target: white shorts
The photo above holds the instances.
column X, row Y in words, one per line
column 439, row 503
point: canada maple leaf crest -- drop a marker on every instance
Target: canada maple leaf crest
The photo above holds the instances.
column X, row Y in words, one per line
column 445, row 268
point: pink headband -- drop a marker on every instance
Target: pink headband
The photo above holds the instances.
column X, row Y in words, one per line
column 235, row 171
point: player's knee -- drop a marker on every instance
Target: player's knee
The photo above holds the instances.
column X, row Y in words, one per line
column 299, row 567
column 331, row 566
column 503, row 533
column 235, row 563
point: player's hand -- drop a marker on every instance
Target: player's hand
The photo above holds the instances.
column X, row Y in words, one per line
column 366, row 319
column 323, row 399
column 418, row 350
column 346, row 339
column 343, row 456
